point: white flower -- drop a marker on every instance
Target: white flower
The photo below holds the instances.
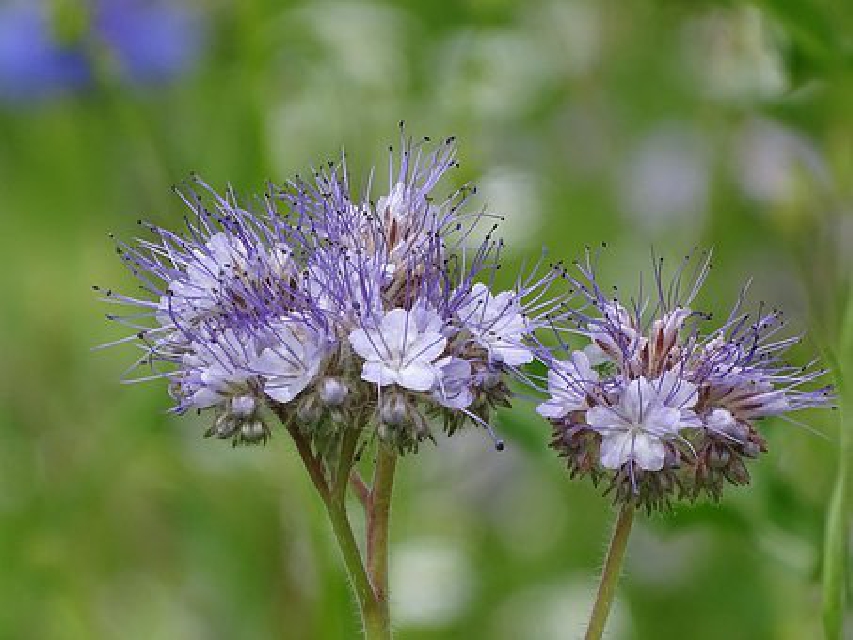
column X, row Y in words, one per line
column 208, row 273
column 569, row 383
column 358, row 282
column 217, row 369
column 291, row 362
column 595, row 354
column 647, row 414
column 497, row 323
column 665, row 329
column 614, row 336
column 407, row 220
column 197, row 290
column 402, row 350
column 721, row 422
column 395, row 206
column 748, row 397
column 453, row 389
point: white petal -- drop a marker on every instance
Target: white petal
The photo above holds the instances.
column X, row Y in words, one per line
column 452, row 387
column 363, row 344
column 454, row 368
column 426, row 319
column 471, row 309
column 583, row 367
column 378, row 373
column 283, row 390
column 595, row 355
column 204, row 398
column 638, row 395
column 605, row 419
column 557, row 380
column 460, row 400
column 689, row 419
column 395, row 202
column 512, row 355
column 269, row 363
column 649, row 452
column 479, row 290
column 553, row 408
column 417, row 377
column 674, row 391
column 428, row 347
column 662, row 421
column 615, row 449
column 396, row 324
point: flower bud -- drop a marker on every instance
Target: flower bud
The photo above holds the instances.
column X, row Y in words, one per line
column 253, row 432
column 751, row 449
column 419, row 423
column 737, row 431
column 395, row 410
column 332, row 391
column 243, row 406
column 672, row 459
column 223, row 427
column 718, row 458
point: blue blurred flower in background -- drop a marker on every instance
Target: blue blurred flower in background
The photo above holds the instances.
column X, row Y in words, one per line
column 47, row 49
column 33, row 64
column 151, row 40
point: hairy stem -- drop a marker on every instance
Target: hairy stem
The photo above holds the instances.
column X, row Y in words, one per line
column 610, row 573
column 374, row 615
column 345, row 462
column 355, row 567
column 379, row 515
column 312, row 464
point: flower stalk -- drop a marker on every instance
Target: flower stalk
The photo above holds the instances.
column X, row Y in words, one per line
column 610, row 573
column 379, row 524
column 370, row 587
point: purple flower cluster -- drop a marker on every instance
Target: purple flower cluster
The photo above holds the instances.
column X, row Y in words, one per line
column 336, row 311
column 655, row 407
column 47, row 48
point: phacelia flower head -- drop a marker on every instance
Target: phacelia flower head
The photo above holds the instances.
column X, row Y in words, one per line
column 335, row 310
column 656, row 407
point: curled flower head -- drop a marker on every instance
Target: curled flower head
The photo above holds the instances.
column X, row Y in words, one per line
column 335, row 310
column 657, row 408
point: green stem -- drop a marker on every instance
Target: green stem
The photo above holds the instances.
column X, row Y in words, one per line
column 835, row 558
column 334, row 499
column 346, row 459
column 312, row 464
column 610, row 573
column 367, row 601
column 379, row 514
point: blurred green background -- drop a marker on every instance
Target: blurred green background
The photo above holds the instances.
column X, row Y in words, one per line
column 673, row 124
